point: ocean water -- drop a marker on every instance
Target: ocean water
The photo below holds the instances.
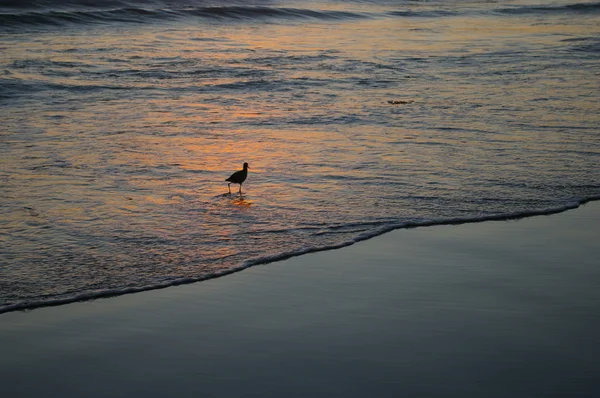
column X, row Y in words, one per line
column 122, row 119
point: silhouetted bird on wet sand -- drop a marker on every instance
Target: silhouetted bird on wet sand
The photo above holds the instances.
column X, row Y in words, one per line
column 238, row 177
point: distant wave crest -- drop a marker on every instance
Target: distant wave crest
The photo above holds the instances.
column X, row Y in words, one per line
column 49, row 13
column 143, row 15
column 568, row 8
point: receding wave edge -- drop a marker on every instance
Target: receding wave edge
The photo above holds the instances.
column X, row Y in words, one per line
column 30, row 305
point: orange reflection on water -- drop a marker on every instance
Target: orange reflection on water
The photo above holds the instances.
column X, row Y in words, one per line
column 241, row 201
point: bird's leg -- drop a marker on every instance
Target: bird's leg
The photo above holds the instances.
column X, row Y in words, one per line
column 240, row 189
column 229, row 186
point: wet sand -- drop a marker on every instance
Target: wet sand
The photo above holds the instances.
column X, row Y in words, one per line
column 494, row 309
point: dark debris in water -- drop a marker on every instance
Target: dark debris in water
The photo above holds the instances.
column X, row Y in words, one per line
column 400, row 102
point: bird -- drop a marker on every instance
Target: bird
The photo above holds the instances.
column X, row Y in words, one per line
column 238, row 178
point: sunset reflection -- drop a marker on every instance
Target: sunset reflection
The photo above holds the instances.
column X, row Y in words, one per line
column 241, row 201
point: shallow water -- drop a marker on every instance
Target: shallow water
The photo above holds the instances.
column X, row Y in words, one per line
column 122, row 121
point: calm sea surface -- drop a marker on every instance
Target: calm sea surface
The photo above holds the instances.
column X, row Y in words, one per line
column 122, row 119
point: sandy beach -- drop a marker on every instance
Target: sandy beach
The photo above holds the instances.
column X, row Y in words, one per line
column 493, row 309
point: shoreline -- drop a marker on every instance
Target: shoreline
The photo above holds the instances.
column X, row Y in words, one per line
column 485, row 309
column 112, row 293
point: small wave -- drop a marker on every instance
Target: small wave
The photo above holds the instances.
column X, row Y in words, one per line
column 421, row 13
column 64, row 18
column 569, row 8
column 585, row 45
column 30, row 305
column 242, row 13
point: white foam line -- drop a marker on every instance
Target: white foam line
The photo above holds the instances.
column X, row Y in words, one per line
column 30, row 305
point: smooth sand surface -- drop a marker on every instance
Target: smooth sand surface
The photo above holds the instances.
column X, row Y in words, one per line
column 494, row 309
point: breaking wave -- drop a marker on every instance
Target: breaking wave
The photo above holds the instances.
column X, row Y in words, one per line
column 57, row 13
column 149, row 15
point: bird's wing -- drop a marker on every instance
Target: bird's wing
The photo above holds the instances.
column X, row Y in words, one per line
column 234, row 176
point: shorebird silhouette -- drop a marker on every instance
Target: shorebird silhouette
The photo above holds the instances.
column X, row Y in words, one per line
column 238, row 177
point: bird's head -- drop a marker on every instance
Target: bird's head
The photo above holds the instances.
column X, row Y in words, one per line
column 246, row 166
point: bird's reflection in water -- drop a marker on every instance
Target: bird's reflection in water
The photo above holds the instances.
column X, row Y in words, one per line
column 238, row 200
column 241, row 201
